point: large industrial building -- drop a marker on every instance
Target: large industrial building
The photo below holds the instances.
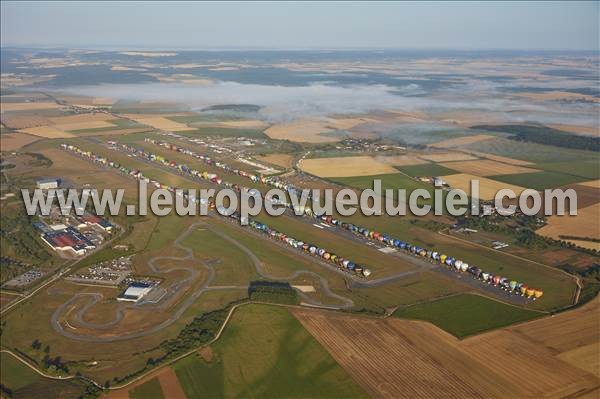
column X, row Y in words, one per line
column 92, row 220
column 46, row 184
column 68, row 239
column 135, row 292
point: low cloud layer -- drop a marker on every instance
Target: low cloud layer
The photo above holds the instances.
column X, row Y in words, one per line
column 284, row 103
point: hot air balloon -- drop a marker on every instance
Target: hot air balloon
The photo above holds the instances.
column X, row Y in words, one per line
column 496, row 280
column 443, row 258
column 523, row 289
column 530, row 292
column 538, row 294
column 512, row 285
column 458, row 264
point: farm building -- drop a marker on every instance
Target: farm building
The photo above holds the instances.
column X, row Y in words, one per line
column 68, row 239
column 46, row 184
column 135, row 292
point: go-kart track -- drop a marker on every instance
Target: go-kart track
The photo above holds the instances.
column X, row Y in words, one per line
column 64, row 328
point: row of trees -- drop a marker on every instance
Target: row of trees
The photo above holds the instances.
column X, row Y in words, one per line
column 546, row 135
column 274, row 292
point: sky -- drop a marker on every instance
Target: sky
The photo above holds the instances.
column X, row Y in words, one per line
column 302, row 25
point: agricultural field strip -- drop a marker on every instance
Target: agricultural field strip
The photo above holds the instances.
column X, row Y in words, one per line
column 487, row 167
column 584, row 225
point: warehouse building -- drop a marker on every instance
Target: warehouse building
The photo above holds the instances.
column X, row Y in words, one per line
column 46, row 184
column 135, row 292
column 93, row 220
column 68, row 239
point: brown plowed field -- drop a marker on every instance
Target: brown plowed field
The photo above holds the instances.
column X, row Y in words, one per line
column 395, row 358
column 170, row 384
column 15, row 141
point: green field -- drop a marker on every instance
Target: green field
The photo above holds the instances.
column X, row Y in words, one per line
column 232, row 265
column 265, row 352
column 187, row 118
column 22, row 382
column 148, row 390
column 588, row 168
column 466, row 314
column 15, row 374
column 540, row 180
column 533, row 152
column 426, row 169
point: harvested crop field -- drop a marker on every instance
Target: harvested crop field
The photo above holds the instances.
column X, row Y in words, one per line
column 81, row 118
column 566, row 331
column 84, row 125
column 584, row 357
column 6, row 107
column 348, row 123
column 592, row 183
column 461, row 141
column 49, row 132
column 304, row 131
column 170, row 384
column 584, row 224
column 17, row 120
column 15, row 141
column 499, row 158
column 252, row 124
column 487, row 187
column 448, row 157
column 487, row 168
column 283, row 160
column 395, row 358
column 159, row 122
column 346, row 166
column 401, row 160
column 382, row 358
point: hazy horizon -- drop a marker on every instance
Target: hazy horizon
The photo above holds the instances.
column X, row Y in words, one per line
column 210, row 26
